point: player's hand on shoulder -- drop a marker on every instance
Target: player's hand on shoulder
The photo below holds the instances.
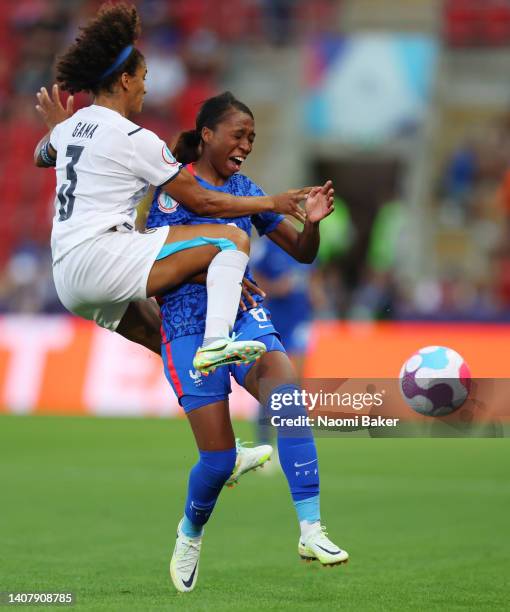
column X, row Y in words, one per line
column 320, row 202
column 51, row 108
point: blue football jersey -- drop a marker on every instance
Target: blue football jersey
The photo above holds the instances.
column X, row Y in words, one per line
column 184, row 309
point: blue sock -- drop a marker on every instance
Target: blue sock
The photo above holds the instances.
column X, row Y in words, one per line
column 298, row 458
column 297, row 451
column 206, row 480
column 308, row 509
column 190, row 529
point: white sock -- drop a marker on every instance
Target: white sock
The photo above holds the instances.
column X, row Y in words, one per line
column 224, row 278
column 307, row 527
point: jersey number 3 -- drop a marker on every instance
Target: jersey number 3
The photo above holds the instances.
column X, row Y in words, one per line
column 66, row 191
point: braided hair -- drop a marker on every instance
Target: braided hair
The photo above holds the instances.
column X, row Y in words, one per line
column 211, row 113
column 103, row 50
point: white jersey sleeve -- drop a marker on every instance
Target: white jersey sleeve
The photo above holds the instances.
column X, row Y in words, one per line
column 54, row 135
column 151, row 158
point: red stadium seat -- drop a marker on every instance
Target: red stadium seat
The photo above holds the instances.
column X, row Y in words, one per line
column 474, row 23
column 461, row 19
column 496, row 23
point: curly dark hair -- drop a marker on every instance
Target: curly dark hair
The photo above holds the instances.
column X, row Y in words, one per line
column 96, row 49
column 211, row 113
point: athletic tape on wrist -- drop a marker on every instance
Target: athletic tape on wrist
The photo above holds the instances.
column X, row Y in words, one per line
column 45, row 156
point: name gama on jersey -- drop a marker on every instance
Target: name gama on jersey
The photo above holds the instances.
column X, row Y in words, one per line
column 105, row 164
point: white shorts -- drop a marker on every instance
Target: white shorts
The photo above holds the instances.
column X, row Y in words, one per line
column 99, row 278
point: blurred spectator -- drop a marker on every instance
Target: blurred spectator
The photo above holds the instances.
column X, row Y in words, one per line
column 475, row 203
column 165, row 80
column 278, row 19
column 460, row 177
column 204, row 61
column 374, row 298
column 26, row 285
column 287, row 284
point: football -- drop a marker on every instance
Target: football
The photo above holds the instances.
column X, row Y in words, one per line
column 435, row 381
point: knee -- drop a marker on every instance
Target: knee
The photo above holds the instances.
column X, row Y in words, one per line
column 239, row 237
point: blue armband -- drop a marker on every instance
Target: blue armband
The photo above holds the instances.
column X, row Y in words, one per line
column 45, row 156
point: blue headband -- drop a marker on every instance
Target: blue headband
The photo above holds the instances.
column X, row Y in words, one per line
column 121, row 58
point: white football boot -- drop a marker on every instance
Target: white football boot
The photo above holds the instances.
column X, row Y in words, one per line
column 227, row 351
column 184, row 562
column 248, row 459
column 317, row 546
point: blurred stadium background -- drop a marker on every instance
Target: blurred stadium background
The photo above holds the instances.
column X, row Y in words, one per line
column 405, row 105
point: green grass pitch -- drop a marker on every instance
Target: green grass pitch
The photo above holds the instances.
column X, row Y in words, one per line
column 91, row 505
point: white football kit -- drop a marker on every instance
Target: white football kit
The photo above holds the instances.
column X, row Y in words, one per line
column 105, row 164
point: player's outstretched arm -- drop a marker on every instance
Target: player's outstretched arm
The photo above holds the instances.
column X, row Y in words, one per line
column 207, row 203
column 52, row 112
column 303, row 246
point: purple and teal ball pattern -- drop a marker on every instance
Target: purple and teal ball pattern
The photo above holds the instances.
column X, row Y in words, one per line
column 435, row 381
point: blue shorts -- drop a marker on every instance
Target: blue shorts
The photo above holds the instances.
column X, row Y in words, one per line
column 194, row 390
